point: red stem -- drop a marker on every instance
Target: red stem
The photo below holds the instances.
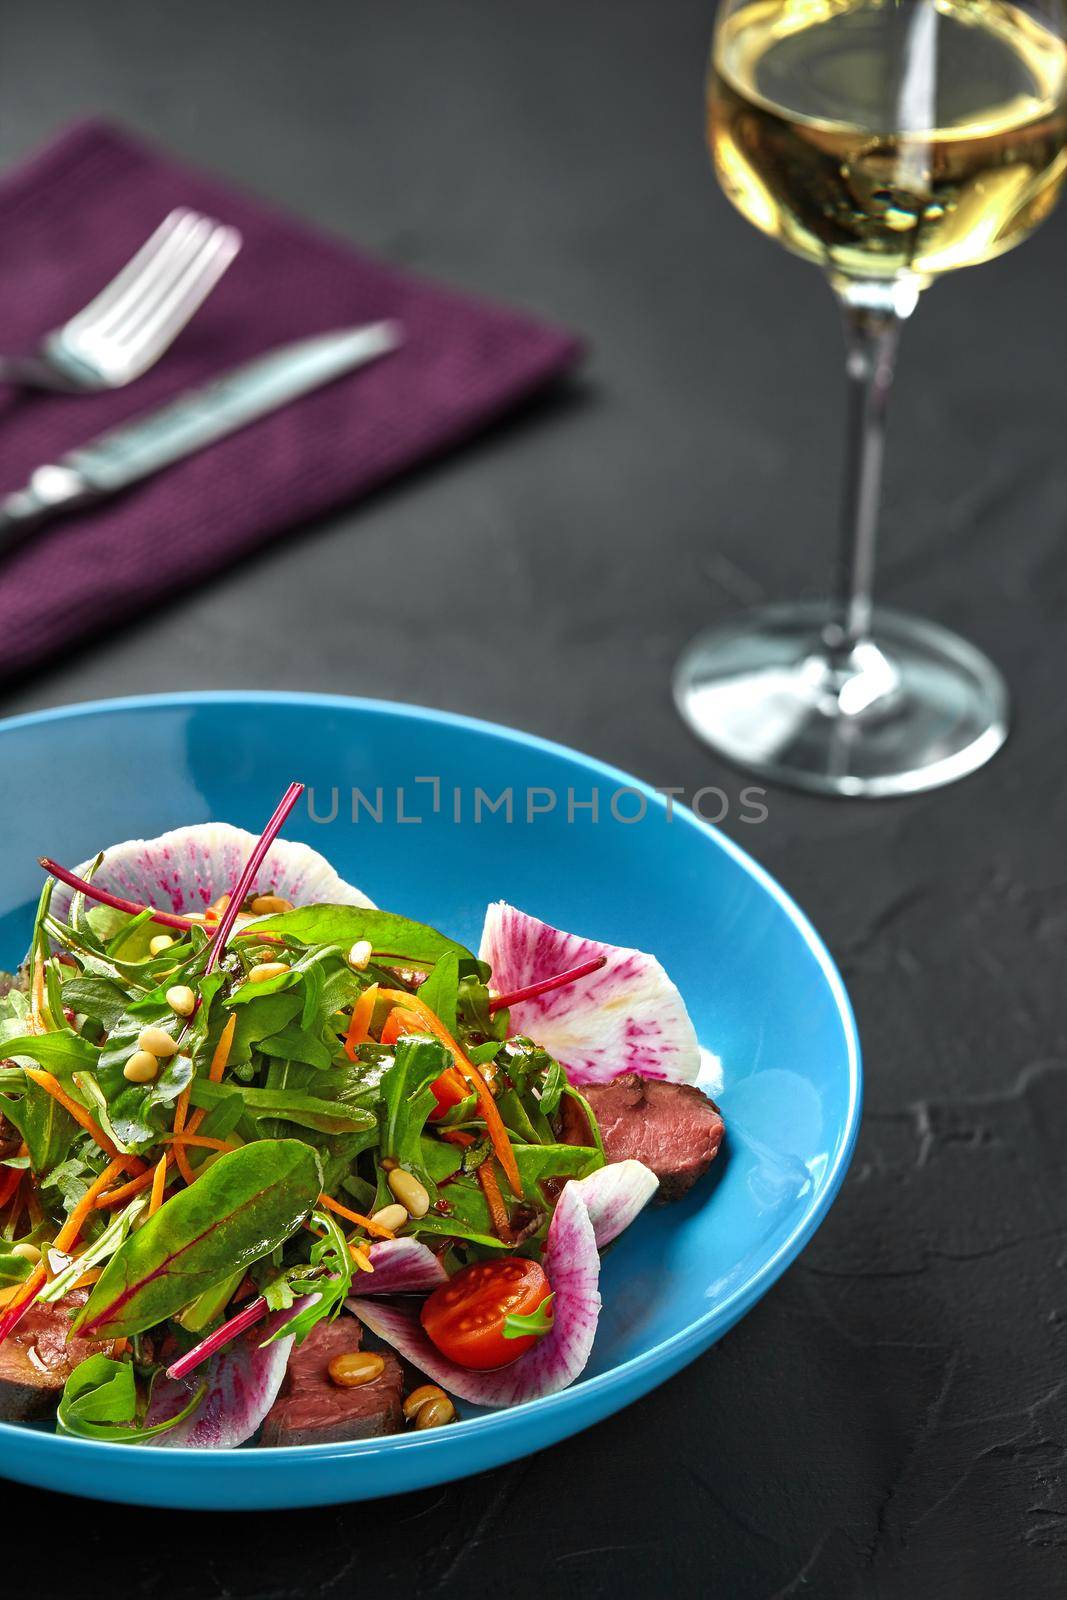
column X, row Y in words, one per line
column 72, row 880
column 546, row 985
column 239, row 892
column 253, row 1312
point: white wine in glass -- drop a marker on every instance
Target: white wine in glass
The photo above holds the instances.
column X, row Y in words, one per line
column 888, row 141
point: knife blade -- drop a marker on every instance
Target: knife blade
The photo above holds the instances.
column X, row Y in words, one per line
column 136, row 449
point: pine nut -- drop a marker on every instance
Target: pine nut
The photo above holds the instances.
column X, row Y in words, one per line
column 425, row 1394
column 181, row 1000
column 219, row 906
column 26, row 1252
column 410, row 1192
column 158, row 1041
column 353, row 1367
column 267, row 905
column 435, row 1413
column 391, row 1217
column 141, row 1067
column 267, row 969
column 161, row 942
column 360, row 954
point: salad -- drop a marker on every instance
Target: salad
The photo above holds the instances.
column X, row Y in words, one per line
column 277, row 1165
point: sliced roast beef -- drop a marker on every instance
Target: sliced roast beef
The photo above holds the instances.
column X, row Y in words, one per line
column 311, row 1409
column 672, row 1127
column 37, row 1358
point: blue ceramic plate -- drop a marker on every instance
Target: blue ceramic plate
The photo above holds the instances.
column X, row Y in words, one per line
column 762, row 990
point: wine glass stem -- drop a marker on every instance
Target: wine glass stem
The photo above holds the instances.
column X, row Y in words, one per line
column 871, row 337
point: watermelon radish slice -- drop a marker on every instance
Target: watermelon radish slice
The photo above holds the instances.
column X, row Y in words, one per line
column 401, row 1266
column 187, row 869
column 628, row 1017
column 613, row 1196
column 242, row 1384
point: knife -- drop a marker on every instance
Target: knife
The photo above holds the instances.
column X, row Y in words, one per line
column 136, row 449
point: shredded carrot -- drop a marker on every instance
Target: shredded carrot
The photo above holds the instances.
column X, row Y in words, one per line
column 119, row 1348
column 498, row 1211
column 90, row 1275
column 221, row 1056
column 183, row 1163
column 52, row 1086
column 357, row 1217
column 458, row 1136
column 220, row 1059
column 70, row 1230
column 200, row 1141
column 159, row 1184
column 486, row 1104
column 360, row 1257
column 62, row 1242
column 115, row 1197
column 359, row 1026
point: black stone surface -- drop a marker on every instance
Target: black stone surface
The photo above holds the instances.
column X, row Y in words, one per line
column 892, row 1420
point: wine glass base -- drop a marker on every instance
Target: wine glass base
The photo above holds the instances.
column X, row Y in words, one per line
column 911, row 708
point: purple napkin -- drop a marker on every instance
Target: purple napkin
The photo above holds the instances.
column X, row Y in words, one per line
column 69, row 218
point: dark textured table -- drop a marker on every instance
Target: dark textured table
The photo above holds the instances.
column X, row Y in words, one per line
column 892, row 1419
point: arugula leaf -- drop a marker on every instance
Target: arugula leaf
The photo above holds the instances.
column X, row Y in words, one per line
column 392, row 938
column 308, row 1111
column 327, row 1280
column 46, row 1126
column 407, row 1099
column 538, row 1323
column 240, row 1208
column 99, row 1401
column 440, row 991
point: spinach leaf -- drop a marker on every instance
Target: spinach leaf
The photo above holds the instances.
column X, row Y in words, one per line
column 536, row 1162
column 13, row 1269
column 308, row 1111
column 100, row 998
column 392, row 938
column 47, row 1128
column 240, row 1208
column 99, row 1401
column 441, row 990
column 62, row 1051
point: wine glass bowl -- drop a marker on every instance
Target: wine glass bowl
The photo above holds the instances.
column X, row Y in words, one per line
column 888, row 142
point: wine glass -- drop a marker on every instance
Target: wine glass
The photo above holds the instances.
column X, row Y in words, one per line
column 888, row 141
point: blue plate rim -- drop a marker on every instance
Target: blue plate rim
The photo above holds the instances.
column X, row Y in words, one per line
column 671, row 1353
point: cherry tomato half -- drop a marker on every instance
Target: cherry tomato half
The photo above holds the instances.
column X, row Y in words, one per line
column 464, row 1318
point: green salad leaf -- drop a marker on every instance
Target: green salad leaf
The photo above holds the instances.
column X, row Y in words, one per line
column 440, row 991
column 240, row 1208
column 100, row 1401
column 538, row 1323
column 46, row 1126
column 392, row 938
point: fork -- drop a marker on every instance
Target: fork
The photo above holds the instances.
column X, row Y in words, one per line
column 138, row 315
